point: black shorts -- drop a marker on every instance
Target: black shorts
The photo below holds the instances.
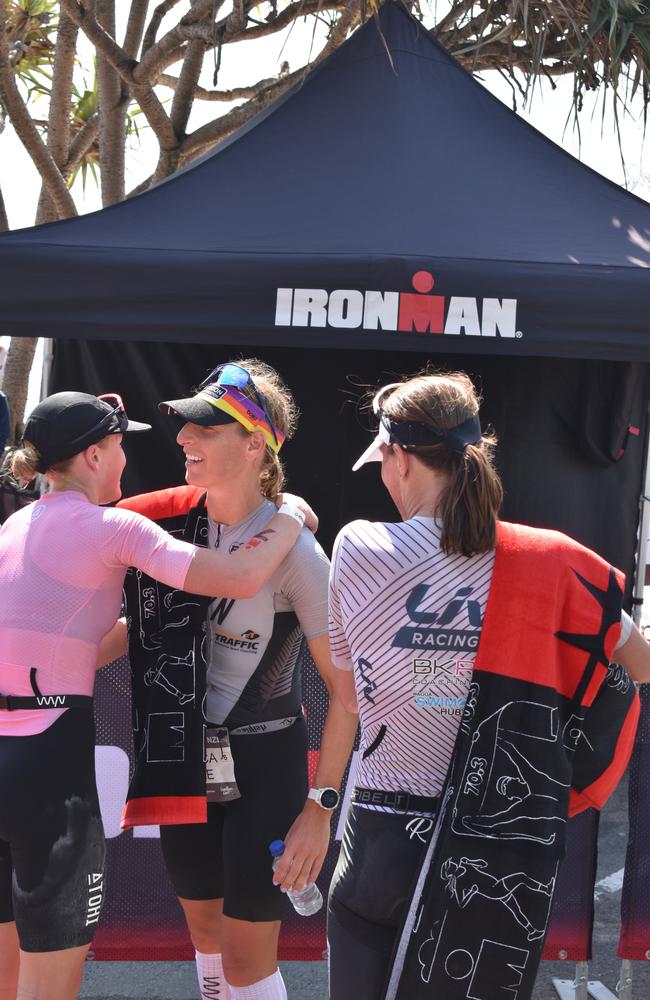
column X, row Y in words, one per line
column 369, row 897
column 51, row 836
column 228, row 857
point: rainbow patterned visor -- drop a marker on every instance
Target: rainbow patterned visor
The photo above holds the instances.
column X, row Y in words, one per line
column 231, row 401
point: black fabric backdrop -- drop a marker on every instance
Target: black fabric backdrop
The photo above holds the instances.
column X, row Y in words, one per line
column 562, row 425
column 568, row 460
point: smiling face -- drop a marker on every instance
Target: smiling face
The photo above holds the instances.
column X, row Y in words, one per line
column 219, row 453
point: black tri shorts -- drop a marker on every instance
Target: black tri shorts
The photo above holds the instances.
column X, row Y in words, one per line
column 369, row 897
column 228, row 857
column 51, row 836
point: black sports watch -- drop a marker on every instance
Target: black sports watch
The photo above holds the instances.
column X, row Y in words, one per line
column 327, row 798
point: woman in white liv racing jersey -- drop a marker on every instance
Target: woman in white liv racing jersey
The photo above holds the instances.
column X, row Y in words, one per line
column 62, row 565
column 407, row 607
column 232, row 430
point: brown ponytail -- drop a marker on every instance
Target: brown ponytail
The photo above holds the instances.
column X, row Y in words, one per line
column 469, row 505
column 284, row 413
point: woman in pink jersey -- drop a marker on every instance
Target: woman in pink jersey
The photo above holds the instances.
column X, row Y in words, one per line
column 472, row 714
column 62, row 565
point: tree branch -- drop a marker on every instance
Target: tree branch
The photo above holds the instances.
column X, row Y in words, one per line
column 187, row 81
column 105, row 45
column 156, row 116
column 135, row 27
column 58, row 124
column 156, row 58
column 181, row 106
column 159, row 13
column 201, row 9
column 112, row 122
column 237, row 94
column 4, row 221
column 81, row 143
column 450, row 21
column 58, row 128
column 210, row 133
column 20, row 358
column 213, row 131
column 141, row 187
column 28, row 133
column 342, row 27
column 339, row 32
column 298, row 9
column 124, row 64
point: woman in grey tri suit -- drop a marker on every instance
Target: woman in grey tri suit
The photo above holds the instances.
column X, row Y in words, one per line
column 231, row 432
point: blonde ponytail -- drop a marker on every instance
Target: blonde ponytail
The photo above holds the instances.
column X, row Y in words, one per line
column 23, row 464
column 284, row 414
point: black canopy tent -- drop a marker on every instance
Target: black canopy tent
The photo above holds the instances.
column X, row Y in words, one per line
column 388, row 203
column 376, row 168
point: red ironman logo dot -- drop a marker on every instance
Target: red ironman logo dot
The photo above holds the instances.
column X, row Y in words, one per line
column 423, row 281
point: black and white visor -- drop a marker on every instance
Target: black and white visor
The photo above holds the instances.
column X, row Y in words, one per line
column 373, row 452
column 410, row 435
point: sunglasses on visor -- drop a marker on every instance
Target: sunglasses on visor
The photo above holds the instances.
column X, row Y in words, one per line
column 117, row 412
column 235, row 377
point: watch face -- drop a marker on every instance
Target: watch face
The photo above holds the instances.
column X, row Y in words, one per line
column 329, row 798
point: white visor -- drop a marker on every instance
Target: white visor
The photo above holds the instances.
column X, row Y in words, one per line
column 373, row 452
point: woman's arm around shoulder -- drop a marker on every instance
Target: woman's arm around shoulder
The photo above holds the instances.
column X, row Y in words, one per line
column 240, row 574
column 137, row 541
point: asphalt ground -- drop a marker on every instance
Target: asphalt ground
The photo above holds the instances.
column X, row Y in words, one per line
column 308, row 980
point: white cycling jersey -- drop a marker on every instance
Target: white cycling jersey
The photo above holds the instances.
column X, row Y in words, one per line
column 407, row 619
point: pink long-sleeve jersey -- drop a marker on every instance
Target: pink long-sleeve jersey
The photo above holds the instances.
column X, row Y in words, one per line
column 62, row 566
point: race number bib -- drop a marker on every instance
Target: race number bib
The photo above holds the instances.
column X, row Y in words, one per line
column 220, row 783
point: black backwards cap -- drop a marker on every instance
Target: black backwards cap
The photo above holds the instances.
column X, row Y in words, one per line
column 66, row 423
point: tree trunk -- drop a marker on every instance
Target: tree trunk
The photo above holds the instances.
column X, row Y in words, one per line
column 4, row 222
column 16, row 379
column 58, row 124
column 112, row 121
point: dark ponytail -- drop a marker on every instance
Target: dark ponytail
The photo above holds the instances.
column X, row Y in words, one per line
column 469, row 504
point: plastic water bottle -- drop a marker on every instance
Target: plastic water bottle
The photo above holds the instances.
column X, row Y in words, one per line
column 309, row 900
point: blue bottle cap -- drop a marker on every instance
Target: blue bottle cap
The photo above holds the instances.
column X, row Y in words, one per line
column 276, row 847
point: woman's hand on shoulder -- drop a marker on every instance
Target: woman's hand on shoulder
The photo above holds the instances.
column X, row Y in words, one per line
column 311, row 518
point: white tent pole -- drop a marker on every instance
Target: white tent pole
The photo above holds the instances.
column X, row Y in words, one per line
column 624, row 986
column 46, row 371
column 642, row 546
